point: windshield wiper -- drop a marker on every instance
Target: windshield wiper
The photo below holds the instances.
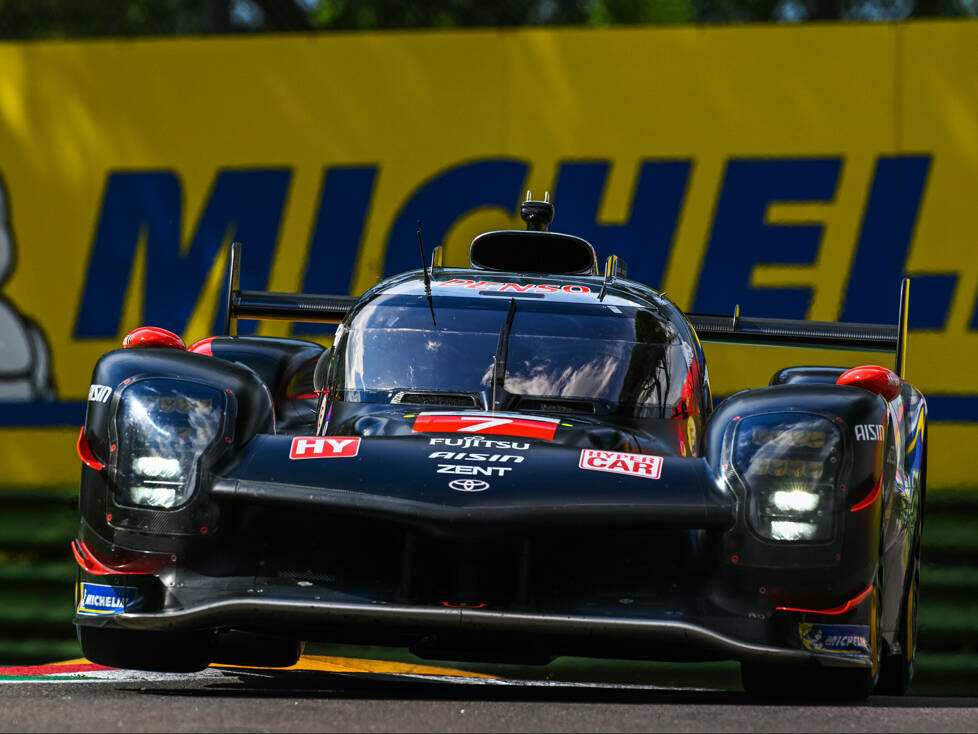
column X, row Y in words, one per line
column 499, row 361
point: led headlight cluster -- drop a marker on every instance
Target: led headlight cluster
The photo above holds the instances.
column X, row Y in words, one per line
column 790, row 464
column 163, row 428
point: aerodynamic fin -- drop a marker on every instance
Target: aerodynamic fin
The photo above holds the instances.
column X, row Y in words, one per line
column 739, row 329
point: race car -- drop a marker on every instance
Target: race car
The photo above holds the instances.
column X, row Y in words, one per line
column 509, row 462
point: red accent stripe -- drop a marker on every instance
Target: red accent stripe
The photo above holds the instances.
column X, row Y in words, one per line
column 43, row 670
column 871, row 498
column 841, row 609
column 98, row 567
column 85, row 452
column 485, row 425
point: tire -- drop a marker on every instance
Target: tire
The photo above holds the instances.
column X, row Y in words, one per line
column 897, row 671
column 165, row 652
column 259, row 651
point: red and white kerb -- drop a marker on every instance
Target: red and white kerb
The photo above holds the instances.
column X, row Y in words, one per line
column 488, row 424
column 324, row 447
column 636, row 465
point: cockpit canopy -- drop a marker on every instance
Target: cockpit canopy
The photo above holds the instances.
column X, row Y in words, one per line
column 578, row 356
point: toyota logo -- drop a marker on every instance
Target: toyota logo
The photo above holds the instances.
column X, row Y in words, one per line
column 469, row 485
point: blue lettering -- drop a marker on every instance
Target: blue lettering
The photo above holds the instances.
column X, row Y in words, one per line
column 244, row 204
column 645, row 239
column 742, row 239
column 445, row 198
column 881, row 254
column 336, row 237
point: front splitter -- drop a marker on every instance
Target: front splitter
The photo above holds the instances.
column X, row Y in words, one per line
column 246, row 611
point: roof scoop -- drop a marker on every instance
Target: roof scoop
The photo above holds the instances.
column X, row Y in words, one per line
column 537, row 250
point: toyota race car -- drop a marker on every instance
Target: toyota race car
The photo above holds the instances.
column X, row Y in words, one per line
column 510, row 462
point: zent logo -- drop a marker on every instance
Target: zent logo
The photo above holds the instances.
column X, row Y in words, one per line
column 869, row 432
column 493, row 424
column 469, row 485
column 637, row 465
column 99, row 393
column 324, row 447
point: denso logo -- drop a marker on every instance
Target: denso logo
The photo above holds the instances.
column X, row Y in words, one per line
column 490, row 285
column 637, row 465
column 324, row 447
column 145, row 209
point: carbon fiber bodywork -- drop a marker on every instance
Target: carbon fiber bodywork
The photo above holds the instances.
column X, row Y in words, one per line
column 519, row 528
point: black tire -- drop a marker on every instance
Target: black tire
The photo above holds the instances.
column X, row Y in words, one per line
column 260, row 651
column 896, row 671
column 165, row 652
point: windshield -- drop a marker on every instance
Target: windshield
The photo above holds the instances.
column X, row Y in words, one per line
column 588, row 352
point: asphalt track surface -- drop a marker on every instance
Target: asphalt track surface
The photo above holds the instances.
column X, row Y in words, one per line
column 320, row 700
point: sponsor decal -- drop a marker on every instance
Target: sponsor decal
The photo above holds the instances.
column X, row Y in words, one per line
column 324, row 447
column 98, row 599
column 869, row 432
column 469, row 485
column 489, row 285
column 465, row 456
column 636, row 465
column 479, row 442
column 842, row 639
column 488, row 471
column 99, row 393
column 496, row 424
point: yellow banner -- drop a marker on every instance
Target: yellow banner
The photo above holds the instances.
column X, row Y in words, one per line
column 798, row 172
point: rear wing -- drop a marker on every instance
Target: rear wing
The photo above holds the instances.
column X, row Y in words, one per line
column 734, row 329
column 739, row 329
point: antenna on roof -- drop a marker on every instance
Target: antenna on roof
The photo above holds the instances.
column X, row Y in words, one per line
column 427, row 277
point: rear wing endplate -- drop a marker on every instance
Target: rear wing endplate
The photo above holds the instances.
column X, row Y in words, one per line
column 734, row 329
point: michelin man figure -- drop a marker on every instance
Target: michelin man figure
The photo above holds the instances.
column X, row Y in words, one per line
column 25, row 364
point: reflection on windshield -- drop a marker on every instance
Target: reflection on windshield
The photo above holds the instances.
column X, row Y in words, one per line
column 618, row 372
column 617, row 357
column 381, row 360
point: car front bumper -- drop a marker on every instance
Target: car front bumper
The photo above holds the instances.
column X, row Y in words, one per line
column 575, row 633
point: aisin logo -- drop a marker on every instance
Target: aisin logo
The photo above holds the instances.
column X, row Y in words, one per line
column 469, row 485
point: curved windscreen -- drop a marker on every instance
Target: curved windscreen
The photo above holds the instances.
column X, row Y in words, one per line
column 611, row 355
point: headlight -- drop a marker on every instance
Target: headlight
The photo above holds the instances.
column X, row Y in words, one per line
column 790, row 464
column 163, row 427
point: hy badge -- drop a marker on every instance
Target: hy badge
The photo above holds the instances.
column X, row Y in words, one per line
column 324, row 447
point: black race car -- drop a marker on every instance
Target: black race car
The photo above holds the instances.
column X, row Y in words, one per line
column 511, row 462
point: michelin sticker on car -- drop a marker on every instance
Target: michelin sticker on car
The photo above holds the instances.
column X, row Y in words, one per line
column 842, row 639
column 99, row 599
